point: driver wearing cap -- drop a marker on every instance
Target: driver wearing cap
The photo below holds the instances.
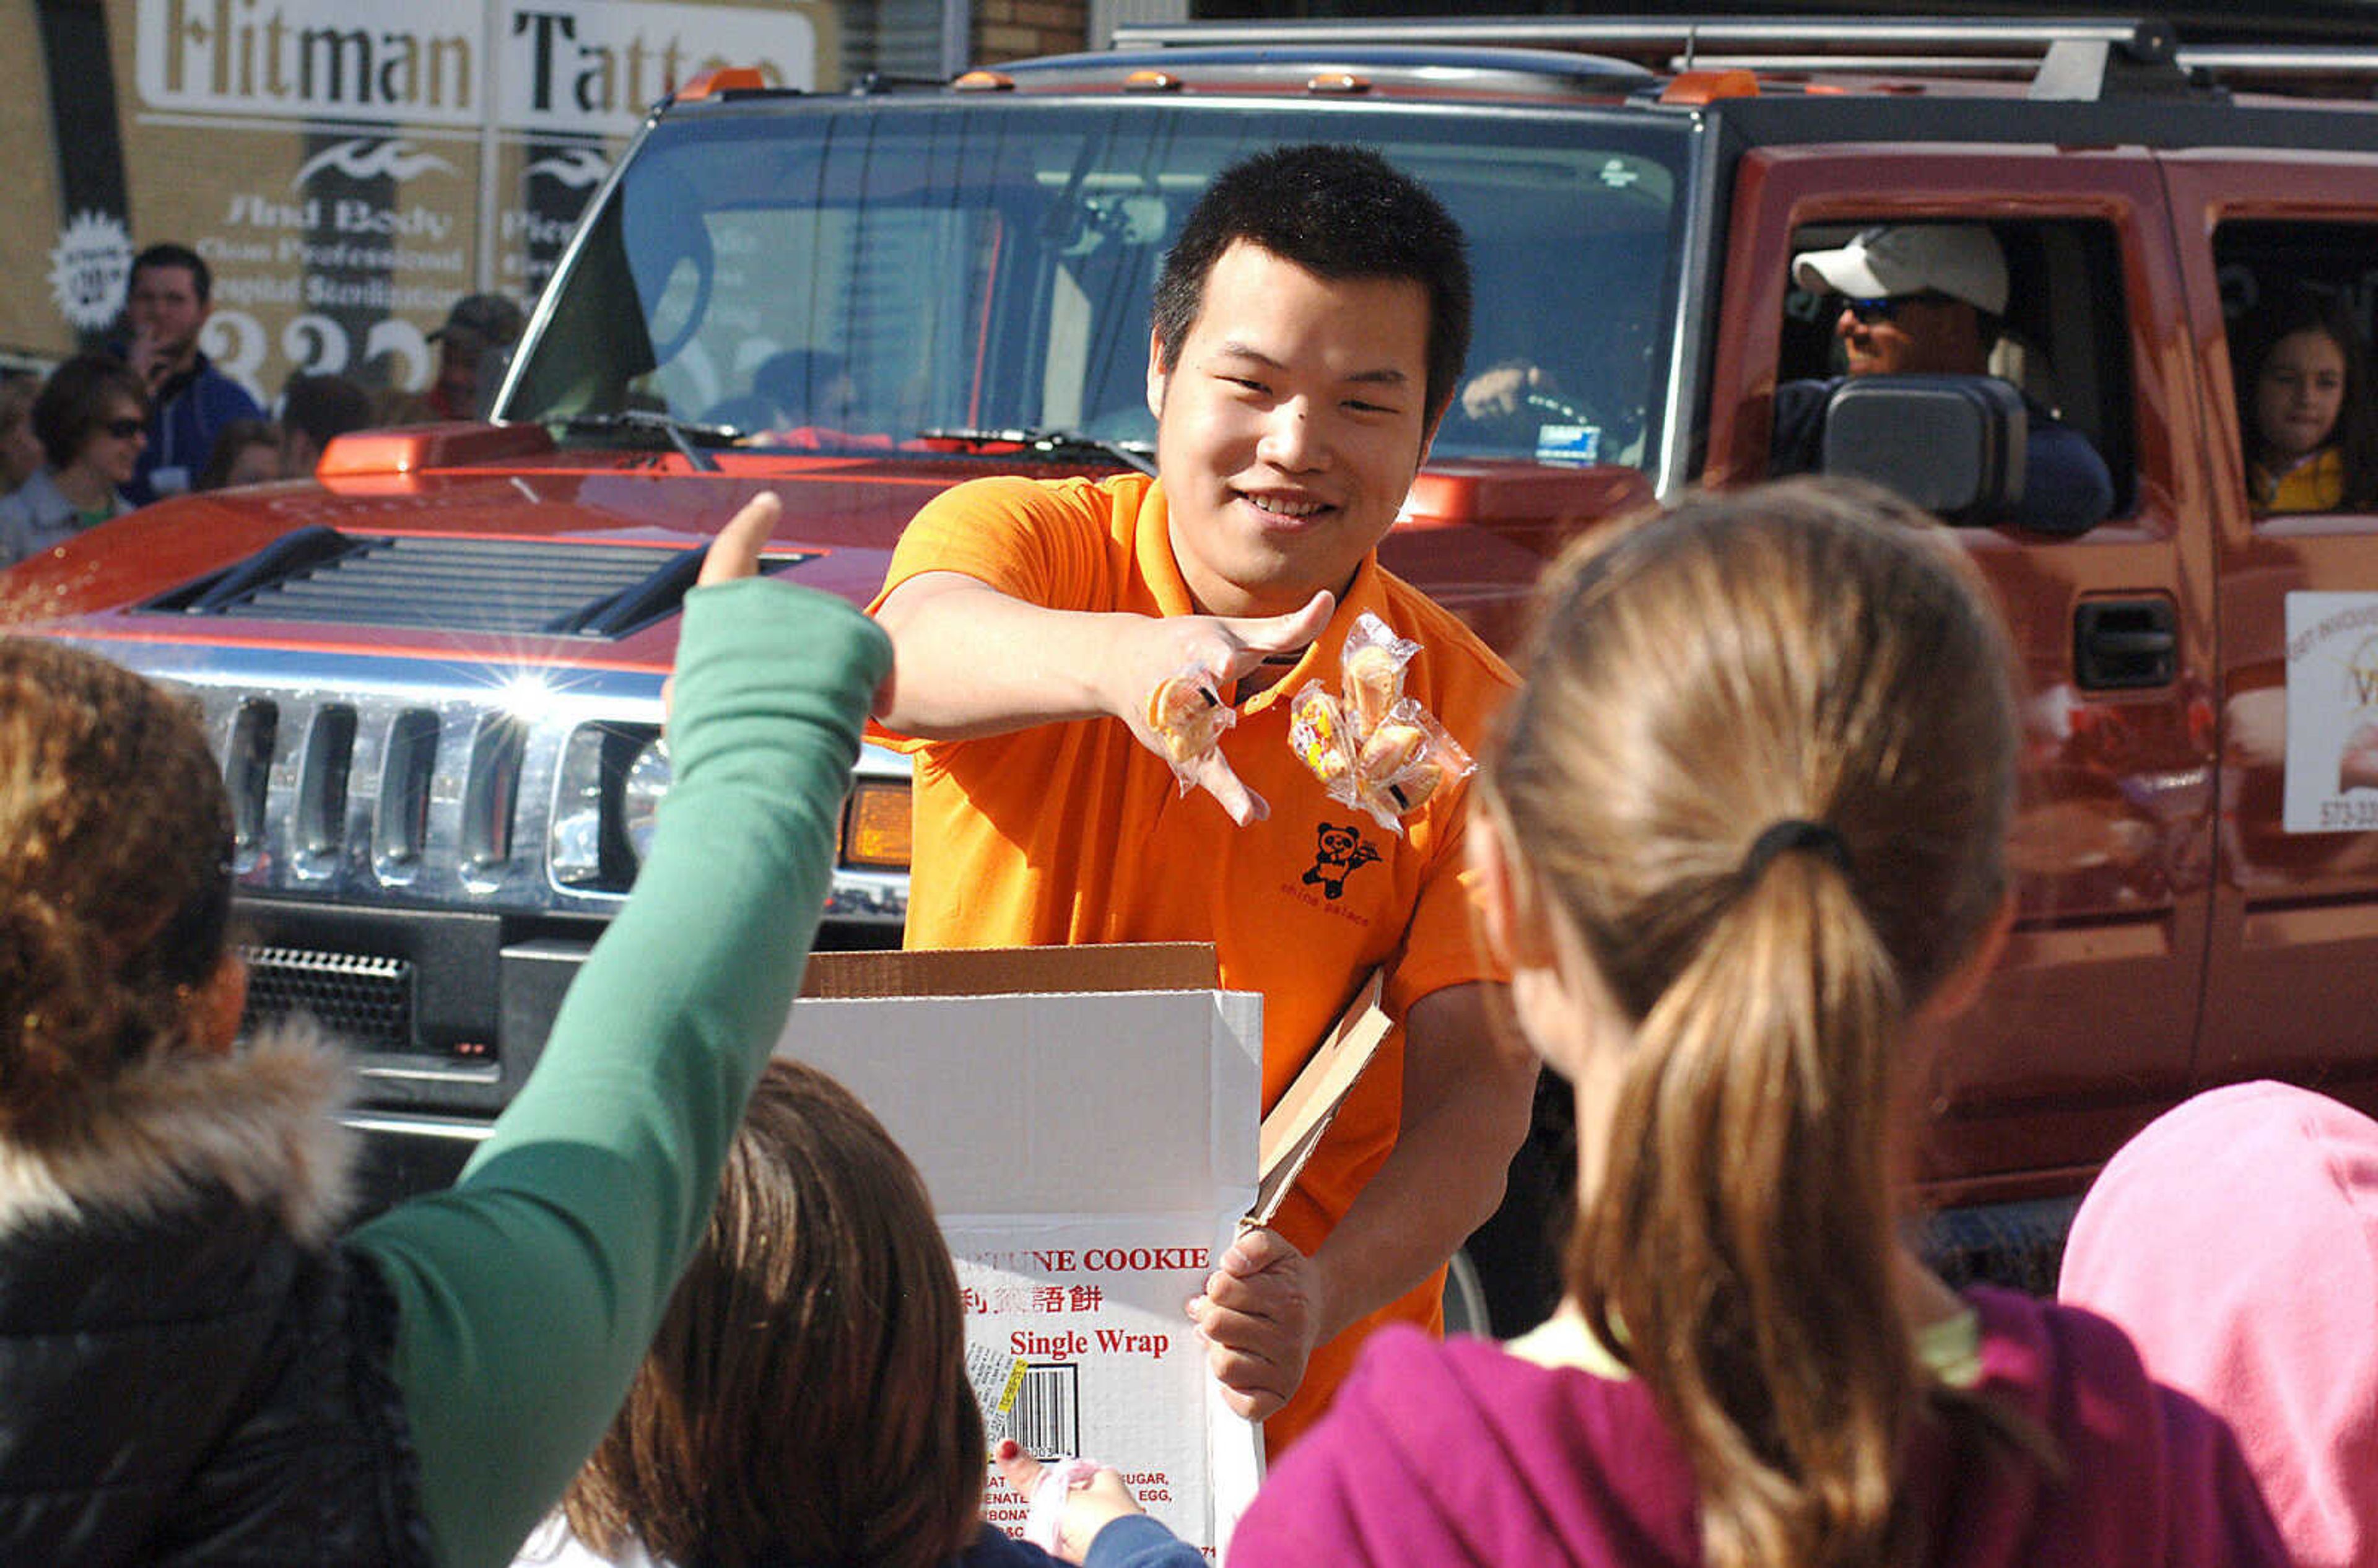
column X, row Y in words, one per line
column 1928, row 298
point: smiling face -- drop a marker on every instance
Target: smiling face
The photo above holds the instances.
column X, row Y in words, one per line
column 2299, row 395
column 112, row 456
column 1289, row 429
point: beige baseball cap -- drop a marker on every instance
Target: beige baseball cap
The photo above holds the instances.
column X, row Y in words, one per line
column 1960, row 260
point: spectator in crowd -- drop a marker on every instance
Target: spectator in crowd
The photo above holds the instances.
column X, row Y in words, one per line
column 21, row 450
column 478, row 327
column 196, row 1365
column 171, row 296
column 92, row 418
column 313, row 410
column 2304, row 397
column 2235, row 1240
column 1309, row 325
column 1742, row 841
column 247, row 451
column 805, row 1399
column 1928, row 298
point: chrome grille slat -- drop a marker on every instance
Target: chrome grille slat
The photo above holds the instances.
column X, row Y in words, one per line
column 360, row 702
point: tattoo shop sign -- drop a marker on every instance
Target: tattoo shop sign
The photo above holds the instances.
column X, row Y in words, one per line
column 576, row 66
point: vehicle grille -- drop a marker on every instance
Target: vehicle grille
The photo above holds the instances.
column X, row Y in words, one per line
column 365, row 1002
column 392, row 782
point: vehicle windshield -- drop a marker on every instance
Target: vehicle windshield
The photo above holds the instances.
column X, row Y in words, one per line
column 833, row 275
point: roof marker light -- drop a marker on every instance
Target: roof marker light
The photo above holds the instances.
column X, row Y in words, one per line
column 1708, row 87
column 1152, row 81
column 727, row 78
column 1338, row 82
column 984, row 81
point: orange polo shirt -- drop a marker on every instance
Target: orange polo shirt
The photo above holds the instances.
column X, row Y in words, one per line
column 1075, row 833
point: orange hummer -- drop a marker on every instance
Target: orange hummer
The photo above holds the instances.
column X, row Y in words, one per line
column 433, row 669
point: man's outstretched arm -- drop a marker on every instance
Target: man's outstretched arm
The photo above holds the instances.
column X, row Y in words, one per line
column 975, row 661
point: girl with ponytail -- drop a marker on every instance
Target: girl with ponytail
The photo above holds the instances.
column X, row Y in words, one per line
column 1742, row 843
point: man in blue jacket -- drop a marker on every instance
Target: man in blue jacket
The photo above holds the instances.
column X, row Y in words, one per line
column 1928, row 298
column 190, row 401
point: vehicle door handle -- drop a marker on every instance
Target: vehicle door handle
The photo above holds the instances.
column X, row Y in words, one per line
column 2124, row 643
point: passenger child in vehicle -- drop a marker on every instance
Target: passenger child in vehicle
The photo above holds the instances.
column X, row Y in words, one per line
column 2304, row 398
column 196, row 1365
column 2235, row 1240
column 1742, row 841
column 805, row 1400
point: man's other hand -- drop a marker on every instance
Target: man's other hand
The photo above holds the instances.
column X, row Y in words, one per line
column 1259, row 1319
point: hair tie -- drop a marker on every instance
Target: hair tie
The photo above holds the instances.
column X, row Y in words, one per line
column 1788, row 833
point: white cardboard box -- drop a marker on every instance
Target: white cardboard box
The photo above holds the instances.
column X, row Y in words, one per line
column 1088, row 1150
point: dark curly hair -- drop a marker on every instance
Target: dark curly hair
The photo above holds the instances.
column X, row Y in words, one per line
column 115, row 840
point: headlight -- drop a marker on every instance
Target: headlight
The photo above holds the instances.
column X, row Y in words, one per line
column 605, row 799
column 648, row 779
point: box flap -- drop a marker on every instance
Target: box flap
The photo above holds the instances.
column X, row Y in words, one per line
column 999, row 971
column 1293, row 1128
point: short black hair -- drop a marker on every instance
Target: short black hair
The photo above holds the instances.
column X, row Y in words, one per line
column 1339, row 212
column 73, row 402
column 168, row 253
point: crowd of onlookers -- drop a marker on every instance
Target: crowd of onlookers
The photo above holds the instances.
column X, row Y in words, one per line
column 151, row 415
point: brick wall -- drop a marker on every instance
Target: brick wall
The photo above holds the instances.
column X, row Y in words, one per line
column 1009, row 30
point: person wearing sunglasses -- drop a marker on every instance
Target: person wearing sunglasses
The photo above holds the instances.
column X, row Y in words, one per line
column 92, row 418
column 1929, row 298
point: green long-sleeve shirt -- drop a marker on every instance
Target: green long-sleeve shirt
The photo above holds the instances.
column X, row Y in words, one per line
column 528, row 1293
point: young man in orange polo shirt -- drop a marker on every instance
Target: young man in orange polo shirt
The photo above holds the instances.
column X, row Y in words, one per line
column 1310, row 325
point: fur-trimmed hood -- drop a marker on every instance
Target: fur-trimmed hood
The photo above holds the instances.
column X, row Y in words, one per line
column 260, row 1123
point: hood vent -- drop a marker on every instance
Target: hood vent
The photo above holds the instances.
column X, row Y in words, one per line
column 487, row 586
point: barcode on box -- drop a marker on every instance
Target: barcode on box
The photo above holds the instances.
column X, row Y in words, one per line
column 1046, row 1417
column 996, row 1376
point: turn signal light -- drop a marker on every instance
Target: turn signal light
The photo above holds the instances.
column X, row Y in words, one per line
column 878, row 826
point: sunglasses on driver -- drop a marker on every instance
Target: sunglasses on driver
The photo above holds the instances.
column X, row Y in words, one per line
column 1869, row 311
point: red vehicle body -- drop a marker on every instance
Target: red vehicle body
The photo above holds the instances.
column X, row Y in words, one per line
column 2176, row 929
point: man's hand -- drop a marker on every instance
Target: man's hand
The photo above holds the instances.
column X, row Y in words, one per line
column 1260, row 1319
column 1495, row 393
column 147, row 357
column 1090, row 1506
column 1224, row 650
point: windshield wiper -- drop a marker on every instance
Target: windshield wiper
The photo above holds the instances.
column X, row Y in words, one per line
column 687, row 435
column 1054, row 442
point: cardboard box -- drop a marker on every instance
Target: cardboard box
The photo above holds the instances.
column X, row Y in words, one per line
column 1088, row 1152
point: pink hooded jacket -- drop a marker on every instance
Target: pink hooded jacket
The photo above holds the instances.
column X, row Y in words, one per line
column 1454, row 1452
column 2236, row 1239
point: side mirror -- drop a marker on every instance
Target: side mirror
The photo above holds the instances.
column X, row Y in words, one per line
column 1953, row 444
